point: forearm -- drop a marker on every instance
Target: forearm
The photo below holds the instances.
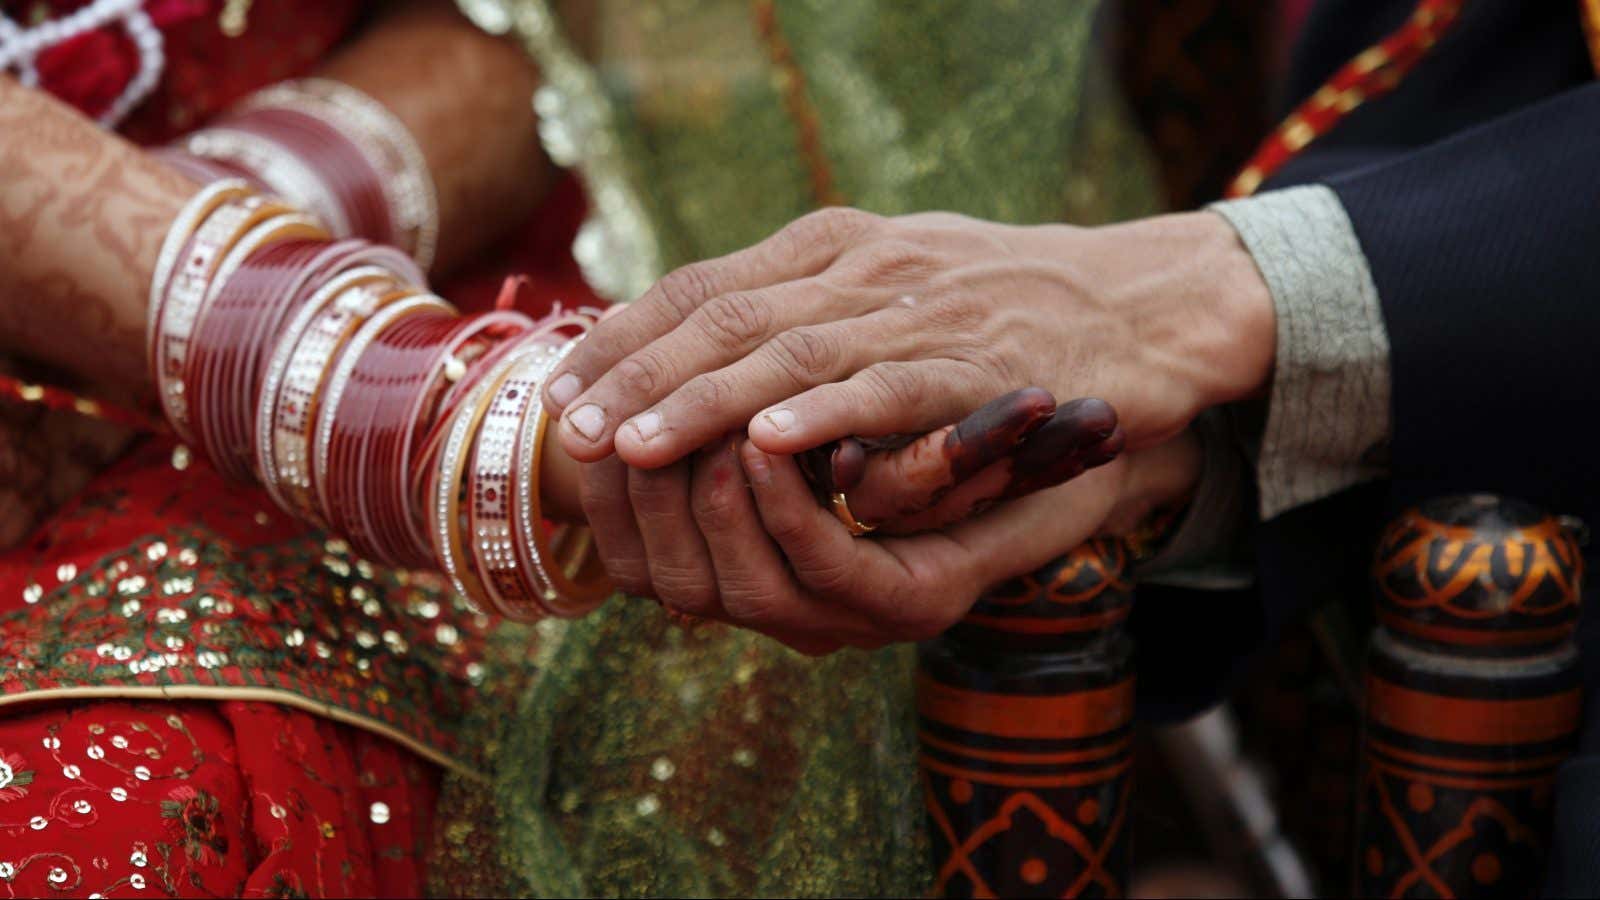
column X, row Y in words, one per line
column 466, row 97
column 82, row 216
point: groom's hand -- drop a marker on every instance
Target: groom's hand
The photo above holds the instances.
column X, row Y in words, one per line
column 777, row 563
column 847, row 323
column 770, row 559
column 1014, row 445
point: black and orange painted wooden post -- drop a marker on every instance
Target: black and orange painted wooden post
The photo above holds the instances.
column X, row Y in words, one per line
column 1472, row 699
column 1025, row 713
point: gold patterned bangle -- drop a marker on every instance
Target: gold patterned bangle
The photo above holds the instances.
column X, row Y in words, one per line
column 574, row 588
column 514, row 589
column 446, row 487
column 298, row 372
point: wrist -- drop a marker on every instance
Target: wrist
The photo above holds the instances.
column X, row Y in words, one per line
column 1198, row 302
column 1242, row 303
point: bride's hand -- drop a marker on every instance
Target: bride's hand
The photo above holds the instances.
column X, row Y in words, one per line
column 46, row 457
column 1012, row 446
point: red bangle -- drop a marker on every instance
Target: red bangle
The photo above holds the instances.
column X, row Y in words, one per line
column 394, row 371
column 345, row 421
column 215, row 344
column 355, row 183
column 275, row 449
column 391, row 153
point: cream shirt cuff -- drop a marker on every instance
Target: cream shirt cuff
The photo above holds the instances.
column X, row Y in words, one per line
column 1328, row 415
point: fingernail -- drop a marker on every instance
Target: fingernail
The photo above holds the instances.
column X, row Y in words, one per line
column 565, row 389
column 780, row 419
column 757, row 467
column 647, row 426
column 849, row 464
column 1106, row 450
column 588, row 420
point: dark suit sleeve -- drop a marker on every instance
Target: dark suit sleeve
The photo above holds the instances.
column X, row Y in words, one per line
column 1485, row 249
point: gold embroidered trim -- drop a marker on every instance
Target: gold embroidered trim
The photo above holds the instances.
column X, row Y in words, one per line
column 617, row 248
column 265, row 695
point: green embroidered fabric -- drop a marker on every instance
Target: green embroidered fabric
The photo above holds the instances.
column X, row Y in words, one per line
column 644, row 759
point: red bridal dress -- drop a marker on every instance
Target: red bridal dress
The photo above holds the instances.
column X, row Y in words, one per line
column 199, row 696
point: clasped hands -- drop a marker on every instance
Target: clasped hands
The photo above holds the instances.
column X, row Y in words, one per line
column 688, row 407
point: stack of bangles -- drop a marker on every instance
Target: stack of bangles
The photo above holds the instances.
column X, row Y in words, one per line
column 363, row 403
column 326, row 148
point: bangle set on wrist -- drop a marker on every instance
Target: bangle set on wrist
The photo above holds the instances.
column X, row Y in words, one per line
column 326, row 148
column 363, row 403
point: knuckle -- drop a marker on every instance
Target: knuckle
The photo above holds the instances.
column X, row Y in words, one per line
column 809, row 350
column 952, row 313
column 833, row 224
column 975, row 354
column 642, row 373
column 791, row 529
column 685, row 288
column 830, row 578
column 751, row 606
column 600, row 491
column 627, row 571
column 684, row 587
column 895, row 385
column 894, row 261
column 715, row 508
column 745, row 594
column 736, row 320
column 652, row 491
column 711, row 392
column 630, row 581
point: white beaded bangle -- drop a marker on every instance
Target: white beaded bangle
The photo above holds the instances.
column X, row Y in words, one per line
column 278, row 168
column 445, row 481
column 382, row 138
column 185, row 296
column 178, row 233
column 525, row 520
column 496, row 481
column 293, row 373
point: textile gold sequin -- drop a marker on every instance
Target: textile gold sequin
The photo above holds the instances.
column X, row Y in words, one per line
column 238, row 603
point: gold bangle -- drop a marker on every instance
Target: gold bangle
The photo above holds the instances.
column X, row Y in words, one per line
column 450, row 545
column 561, row 559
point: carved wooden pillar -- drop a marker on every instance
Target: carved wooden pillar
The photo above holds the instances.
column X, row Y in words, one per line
column 1472, row 699
column 1025, row 716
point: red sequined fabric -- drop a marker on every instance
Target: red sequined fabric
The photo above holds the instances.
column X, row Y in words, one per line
column 200, row 697
column 226, row 799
